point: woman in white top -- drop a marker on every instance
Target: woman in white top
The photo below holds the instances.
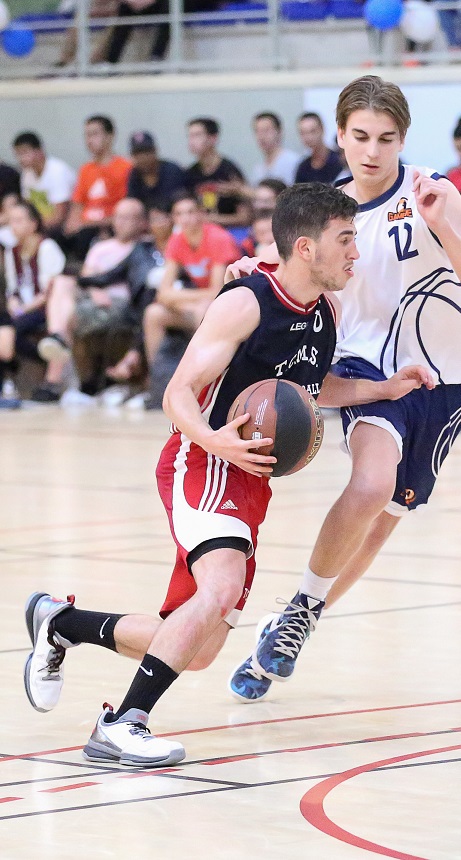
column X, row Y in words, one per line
column 29, row 269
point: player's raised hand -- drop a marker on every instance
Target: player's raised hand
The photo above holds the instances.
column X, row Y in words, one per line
column 431, row 199
column 227, row 444
column 407, row 379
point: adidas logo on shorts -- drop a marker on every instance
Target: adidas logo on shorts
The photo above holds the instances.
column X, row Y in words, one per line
column 229, row 506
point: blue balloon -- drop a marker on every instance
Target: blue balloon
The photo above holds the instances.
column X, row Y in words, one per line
column 383, row 14
column 17, row 43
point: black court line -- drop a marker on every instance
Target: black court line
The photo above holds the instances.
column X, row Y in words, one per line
column 57, row 778
column 416, row 764
column 396, row 609
column 218, row 789
column 98, row 770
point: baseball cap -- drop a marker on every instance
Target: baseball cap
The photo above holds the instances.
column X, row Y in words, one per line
column 141, row 141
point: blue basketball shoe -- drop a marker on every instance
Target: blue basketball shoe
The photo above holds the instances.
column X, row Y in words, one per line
column 279, row 645
column 248, row 684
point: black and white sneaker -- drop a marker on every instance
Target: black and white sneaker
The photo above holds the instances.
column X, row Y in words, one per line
column 128, row 742
column 43, row 671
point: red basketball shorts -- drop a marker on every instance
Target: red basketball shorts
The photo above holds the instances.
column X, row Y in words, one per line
column 206, row 497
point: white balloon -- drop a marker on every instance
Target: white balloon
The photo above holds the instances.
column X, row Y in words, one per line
column 419, row 21
column 4, row 15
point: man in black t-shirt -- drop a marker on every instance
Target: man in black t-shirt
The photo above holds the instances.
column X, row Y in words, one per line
column 216, row 181
column 152, row 180
column 323, row 164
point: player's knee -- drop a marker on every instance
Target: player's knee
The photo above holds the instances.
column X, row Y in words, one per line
column 371, row 493
column 222, row 594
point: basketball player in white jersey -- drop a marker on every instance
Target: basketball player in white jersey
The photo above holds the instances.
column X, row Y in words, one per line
column 402, row 306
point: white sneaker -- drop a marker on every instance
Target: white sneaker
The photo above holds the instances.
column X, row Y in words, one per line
column 115, row 395
column 43, row 671
column 127, row 741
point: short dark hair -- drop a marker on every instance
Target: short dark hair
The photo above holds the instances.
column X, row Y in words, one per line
column 262, row 215
column 457, row 131
column 106, row 123
column 305, row 210
column 210, row 125
column 28, row 138
column 276, row 121
column 309, row 114
column 276, row 185
column 179, row 196
column 32, row 212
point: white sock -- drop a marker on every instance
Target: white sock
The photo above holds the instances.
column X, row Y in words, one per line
column 316, row 586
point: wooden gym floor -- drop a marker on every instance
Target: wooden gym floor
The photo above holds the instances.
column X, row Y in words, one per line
column 359, row 754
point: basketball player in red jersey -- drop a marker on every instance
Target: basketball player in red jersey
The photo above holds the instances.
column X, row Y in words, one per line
column 214, row 485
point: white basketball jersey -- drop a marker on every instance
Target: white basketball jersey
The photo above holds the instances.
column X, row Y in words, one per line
column 403, row 305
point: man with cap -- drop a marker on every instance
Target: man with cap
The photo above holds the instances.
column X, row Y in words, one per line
column 152, row 179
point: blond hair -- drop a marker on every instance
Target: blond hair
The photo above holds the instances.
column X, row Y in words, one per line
column 372, row 93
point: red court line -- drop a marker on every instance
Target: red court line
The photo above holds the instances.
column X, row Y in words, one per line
column 312, row 808
column 180, row 732
column 67, row 787
column 233, row 758
column 8, row 799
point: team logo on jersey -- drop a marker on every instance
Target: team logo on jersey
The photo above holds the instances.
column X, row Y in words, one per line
column 409, row 496
column 402, row 210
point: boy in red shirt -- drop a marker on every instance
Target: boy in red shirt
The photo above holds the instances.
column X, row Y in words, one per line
column 203, row 250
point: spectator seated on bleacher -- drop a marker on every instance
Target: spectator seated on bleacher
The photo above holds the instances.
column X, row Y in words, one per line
column 97, row 9
column 129, row 8
column 217, row 182
column 76, row 315
column 278, row 161
column 203, row 250
column 144, row 274
column 30, row 267
column 101, row 183
column 323, row 164
column 46, row 181
column 152, row 180
column 260, row 234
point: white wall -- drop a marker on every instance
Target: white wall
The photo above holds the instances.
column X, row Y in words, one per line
column 435, row 109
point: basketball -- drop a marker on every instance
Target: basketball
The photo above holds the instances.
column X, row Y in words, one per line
column 286, row 413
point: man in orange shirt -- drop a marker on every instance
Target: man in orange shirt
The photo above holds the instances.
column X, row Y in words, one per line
column 203, row 250
column 101, row 183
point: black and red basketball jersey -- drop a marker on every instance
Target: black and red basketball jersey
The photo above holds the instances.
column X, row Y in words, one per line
column 292, row 341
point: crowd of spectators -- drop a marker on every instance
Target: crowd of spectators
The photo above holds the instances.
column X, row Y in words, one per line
column 105, row 274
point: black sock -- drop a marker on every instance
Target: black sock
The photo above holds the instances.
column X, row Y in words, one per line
column 150, row 682
column 80, row 625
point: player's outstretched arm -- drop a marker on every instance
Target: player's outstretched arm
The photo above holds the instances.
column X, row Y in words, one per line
column 439, row 204
column 229, row 321
column 353, row 392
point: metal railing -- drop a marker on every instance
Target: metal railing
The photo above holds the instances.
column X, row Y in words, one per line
column 270, row 21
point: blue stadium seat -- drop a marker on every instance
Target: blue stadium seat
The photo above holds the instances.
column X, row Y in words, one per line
column 209, row 19
column 305, row 10
column 346, row 9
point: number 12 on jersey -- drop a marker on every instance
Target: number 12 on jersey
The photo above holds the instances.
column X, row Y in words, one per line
column 406, row 252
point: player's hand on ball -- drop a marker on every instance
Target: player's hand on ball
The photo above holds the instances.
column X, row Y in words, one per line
column 227, row 444
column 407, row 379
